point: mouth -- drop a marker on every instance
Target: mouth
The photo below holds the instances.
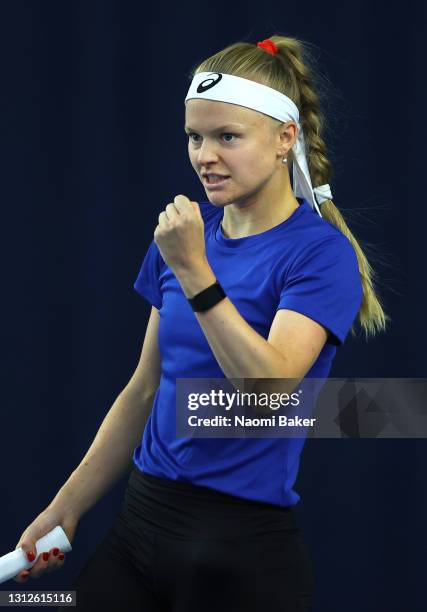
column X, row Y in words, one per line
column 213, row 181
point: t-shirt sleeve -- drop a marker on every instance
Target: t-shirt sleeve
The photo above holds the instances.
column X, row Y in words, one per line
column 147, row 283
column 324, row 283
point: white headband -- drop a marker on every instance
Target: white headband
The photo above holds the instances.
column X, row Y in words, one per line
column 244, row 92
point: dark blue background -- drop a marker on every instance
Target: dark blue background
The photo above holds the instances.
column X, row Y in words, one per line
column 93, row 148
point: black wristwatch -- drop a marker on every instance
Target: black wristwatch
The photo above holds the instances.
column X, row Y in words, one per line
column 207, row 298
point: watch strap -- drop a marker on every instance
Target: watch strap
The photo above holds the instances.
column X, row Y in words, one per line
column 207, row 298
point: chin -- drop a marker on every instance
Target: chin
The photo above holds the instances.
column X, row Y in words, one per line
column 219, row 199
column 215, row 201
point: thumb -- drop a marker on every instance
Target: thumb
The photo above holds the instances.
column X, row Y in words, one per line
column 28, row 542
column 28, row 546
column 196, row 207
column 29, row 549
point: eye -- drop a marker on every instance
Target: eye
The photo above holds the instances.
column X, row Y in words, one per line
column 228, row 134
column 191, row 134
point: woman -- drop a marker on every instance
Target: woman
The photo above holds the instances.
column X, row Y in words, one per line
column 264, row 280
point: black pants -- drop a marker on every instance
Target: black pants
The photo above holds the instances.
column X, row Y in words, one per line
column 177, row 547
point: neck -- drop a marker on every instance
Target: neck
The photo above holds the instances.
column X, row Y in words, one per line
column 260, row 211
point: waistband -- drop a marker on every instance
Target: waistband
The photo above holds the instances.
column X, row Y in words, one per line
column 184, row 510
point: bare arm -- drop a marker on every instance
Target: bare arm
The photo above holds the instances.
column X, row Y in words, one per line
column 110, row 455
column 293, row 344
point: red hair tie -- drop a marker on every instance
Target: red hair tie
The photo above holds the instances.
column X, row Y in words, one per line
column 268, row 45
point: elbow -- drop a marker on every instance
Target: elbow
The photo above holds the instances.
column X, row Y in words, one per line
column 280, row 382
column 142, row 396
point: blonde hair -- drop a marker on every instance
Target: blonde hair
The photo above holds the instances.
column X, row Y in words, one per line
column 290, row 72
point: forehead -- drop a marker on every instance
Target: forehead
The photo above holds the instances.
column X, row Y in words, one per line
column 209, row 113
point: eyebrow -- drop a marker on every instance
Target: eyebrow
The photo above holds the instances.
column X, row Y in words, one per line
column 223, row 127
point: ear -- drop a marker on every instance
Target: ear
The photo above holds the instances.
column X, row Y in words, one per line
column 288, row 135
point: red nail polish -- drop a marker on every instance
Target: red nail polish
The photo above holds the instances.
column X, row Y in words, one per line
column 30, row 555
column 45, row 556
column 55, row 551
column 61, row 557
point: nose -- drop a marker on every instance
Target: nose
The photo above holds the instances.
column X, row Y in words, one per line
column 206, row 153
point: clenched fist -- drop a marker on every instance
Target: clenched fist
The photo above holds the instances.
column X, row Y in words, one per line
column 180, row 235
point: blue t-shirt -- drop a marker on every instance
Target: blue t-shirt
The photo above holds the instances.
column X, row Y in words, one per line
column 303, row 264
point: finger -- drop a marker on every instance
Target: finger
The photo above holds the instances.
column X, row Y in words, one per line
column 181, row 199
column 183, row 204
column 172, row 211
column 44, row 563
column 61, row 560
column 163, row 218
column 40, row 565
column 54, row 561
column 184, row 207
column 21, row 577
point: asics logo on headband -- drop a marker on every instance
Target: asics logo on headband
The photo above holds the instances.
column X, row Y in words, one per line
column 209, row 83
